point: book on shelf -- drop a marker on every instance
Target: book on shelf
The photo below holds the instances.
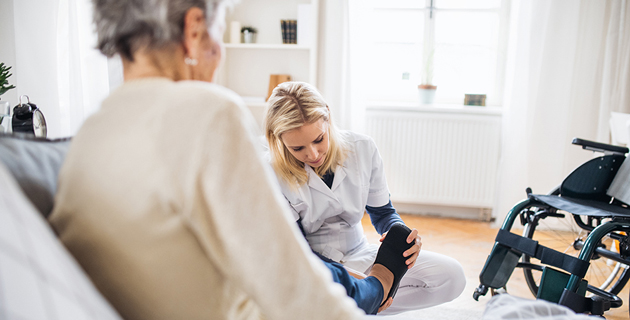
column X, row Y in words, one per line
column 289, row 31
column 293, row 31
column 283, row 28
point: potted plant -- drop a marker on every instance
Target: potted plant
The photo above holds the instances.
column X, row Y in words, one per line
column 249, row 34
column 426, row 89
column 5, row 107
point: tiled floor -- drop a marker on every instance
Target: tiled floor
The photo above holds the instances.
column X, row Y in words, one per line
column 470, row 243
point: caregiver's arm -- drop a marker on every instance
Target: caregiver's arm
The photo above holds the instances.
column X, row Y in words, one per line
column 383, row 217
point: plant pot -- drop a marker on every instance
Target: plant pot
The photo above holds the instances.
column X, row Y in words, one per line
column 5, row 116
column 248, row 36
column 426, row 93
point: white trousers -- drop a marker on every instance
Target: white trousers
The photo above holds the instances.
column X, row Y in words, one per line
column 433, row 280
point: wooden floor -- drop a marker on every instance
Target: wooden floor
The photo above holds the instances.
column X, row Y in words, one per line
column 470, row 243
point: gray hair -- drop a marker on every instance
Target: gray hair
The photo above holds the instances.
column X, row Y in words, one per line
column 124, row 26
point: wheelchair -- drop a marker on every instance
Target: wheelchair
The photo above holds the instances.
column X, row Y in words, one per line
column 575, row 246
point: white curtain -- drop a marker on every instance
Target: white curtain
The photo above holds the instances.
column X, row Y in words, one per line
column 83, row 80
column 616, row 65
column 568, row 67
column 344, row 27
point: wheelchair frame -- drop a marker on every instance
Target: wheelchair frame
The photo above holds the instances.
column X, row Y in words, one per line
column 511, row 251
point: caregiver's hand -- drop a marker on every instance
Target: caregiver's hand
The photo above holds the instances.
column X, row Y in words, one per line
column 412, row 252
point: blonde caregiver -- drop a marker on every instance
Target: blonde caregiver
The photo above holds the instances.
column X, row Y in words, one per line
column 330, row 178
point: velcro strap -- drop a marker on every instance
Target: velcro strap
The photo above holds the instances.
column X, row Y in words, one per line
column 522, row 244
column 546, row 255
column 563, row 261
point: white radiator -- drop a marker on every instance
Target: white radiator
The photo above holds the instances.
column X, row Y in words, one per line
column 438, row 158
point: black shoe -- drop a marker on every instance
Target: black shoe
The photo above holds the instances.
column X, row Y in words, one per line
column 390, row 254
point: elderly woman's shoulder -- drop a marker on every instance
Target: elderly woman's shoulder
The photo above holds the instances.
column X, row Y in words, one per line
column 208, row 92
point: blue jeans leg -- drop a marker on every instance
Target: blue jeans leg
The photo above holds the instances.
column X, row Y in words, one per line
column 368, row 292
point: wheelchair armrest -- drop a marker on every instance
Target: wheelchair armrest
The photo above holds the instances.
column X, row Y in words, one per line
column 599, row 147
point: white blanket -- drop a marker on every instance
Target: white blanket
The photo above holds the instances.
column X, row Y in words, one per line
column 507, row 307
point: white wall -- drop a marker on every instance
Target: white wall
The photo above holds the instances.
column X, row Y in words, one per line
column 7, row 46
column 36, row 57
column 34, row 38
column 331, row 79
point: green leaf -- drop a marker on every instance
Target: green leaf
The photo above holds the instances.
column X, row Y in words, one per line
column 4, row 75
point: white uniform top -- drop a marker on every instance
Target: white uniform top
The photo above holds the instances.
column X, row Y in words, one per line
column 331, row 217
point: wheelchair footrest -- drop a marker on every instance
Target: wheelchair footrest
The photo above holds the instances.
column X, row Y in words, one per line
column 594, row 305
column 553, row 288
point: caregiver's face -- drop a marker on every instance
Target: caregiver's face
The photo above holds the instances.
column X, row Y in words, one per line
column 308, row 143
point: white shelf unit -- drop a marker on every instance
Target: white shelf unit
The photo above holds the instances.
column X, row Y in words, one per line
column 266, row 46
column 247, row 66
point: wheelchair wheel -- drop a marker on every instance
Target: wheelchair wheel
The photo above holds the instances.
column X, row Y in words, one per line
column 561, row 234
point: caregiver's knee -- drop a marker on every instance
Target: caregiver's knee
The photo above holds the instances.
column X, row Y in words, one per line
column 456, row 280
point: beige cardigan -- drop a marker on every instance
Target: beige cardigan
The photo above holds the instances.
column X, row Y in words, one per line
column 165, row 201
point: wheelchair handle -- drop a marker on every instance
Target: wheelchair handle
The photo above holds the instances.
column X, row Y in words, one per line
column 599, row 147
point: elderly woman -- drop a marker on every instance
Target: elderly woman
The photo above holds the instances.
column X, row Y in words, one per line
column 164, row 198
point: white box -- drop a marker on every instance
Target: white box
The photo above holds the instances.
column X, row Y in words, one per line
column 235, row 32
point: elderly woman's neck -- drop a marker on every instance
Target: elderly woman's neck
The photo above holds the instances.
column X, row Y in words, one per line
column 155, row 63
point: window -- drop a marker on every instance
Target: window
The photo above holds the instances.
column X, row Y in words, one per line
column 457, row 45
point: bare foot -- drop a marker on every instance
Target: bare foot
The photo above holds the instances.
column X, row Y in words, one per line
column 385, row 305
column 384, row 276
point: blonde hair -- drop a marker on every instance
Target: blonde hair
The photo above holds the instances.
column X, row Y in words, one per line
column 290, row 106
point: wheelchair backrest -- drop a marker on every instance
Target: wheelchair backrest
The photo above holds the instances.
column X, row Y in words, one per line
column 591, row 180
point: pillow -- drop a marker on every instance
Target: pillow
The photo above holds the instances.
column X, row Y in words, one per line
column 34, row 163
column 39, row 279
